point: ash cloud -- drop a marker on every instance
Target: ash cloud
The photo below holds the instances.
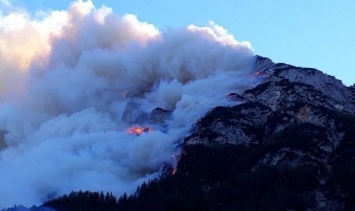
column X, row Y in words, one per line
column 62, row 97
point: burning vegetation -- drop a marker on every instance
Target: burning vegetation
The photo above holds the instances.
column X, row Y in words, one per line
column 259, row 73
column 138, row 130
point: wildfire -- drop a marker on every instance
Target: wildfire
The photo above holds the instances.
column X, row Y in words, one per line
column 258, row 73
column 139, row 130
column 174, row 171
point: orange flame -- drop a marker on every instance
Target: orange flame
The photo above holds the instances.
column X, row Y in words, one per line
column 138, row 130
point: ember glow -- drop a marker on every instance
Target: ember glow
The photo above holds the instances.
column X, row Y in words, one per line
column 258, row 73
column 68, row 119
column 138, row 130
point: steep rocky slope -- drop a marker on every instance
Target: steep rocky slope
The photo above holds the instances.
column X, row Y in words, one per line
column 287, row 143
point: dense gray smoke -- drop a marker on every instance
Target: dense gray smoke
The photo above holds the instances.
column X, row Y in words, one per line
column 63, row 112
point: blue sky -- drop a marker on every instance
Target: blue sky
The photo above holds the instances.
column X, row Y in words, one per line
column 317, row 33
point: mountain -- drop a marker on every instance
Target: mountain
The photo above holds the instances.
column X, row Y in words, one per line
column 288, row 143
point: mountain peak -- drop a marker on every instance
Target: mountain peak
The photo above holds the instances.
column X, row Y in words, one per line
column 262, row 63
column 286, row 143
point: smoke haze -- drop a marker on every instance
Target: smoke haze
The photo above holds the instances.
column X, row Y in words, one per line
column 63, row 77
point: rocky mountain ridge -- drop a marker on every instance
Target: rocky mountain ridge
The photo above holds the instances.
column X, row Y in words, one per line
column 286, row 144
column 297, row 117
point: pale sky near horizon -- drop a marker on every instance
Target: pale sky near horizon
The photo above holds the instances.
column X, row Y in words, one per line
column 309, row 33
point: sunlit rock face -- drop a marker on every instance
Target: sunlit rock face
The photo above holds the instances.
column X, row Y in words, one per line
column 296, row 117
column 287, row 96
column 286, row 83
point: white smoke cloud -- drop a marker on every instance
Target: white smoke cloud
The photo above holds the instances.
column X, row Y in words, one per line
column 63, row 77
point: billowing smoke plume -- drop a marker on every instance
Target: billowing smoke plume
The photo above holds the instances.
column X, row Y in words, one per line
column 63, row 77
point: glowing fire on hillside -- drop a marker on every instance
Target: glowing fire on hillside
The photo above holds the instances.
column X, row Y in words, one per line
column 138, row 130
column 259, row 73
